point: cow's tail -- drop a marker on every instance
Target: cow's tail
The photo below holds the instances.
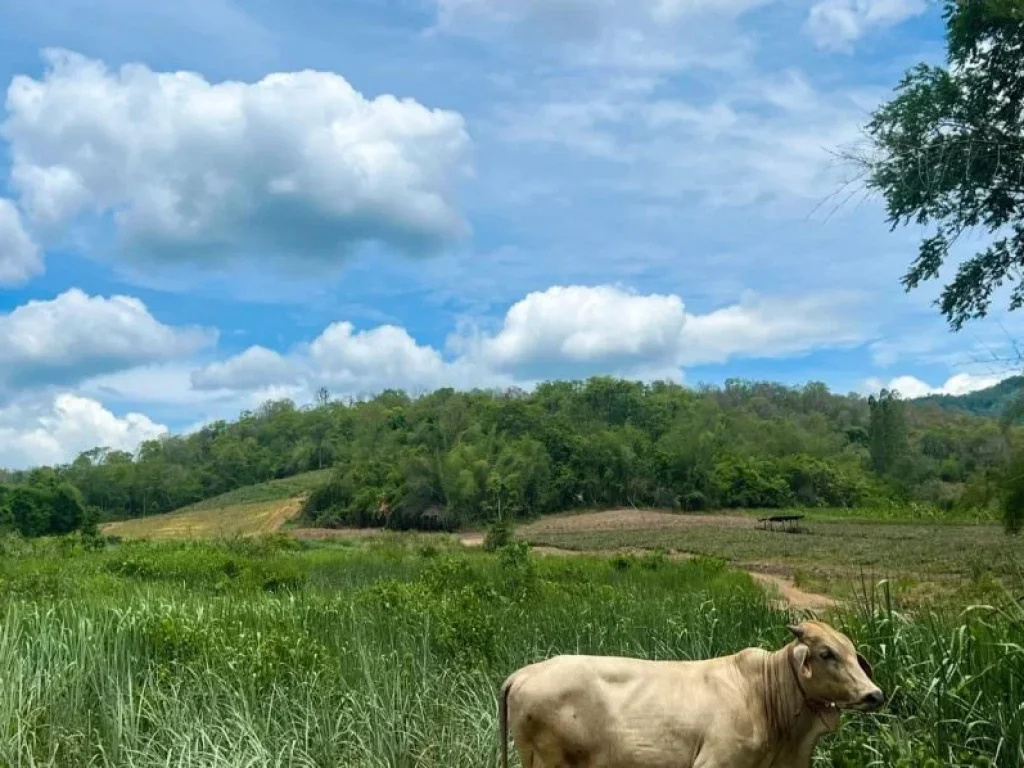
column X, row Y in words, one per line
column 503, row 720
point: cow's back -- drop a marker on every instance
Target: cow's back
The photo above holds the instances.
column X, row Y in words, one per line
column 597, row 711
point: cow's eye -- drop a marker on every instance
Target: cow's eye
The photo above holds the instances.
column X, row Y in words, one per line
column 827, row 654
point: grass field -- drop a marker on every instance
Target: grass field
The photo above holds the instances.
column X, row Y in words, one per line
column 245, row 519
column 262, row 508
column 272, row 490
column 842, row 547
column 389, row 652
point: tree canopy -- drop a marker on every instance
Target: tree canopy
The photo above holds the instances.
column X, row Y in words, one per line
column 949, row 155
column 449, row 457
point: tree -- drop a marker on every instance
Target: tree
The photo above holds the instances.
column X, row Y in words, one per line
column 949, row 156
column 888, row 431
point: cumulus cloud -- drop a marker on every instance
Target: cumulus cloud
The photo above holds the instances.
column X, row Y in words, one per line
column 647, row 34
column 346, row 361
column 32, row 434
column 911, row 387
column 74, row 336
column 837, row 24
column 298, row 162
column 255, row 367
column 20, row 258
column 602, row 325
column 610, row 329
column 766, row 327
column 564, row 331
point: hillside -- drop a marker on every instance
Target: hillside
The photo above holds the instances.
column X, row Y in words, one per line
column 208, row 521
column 990, row 402
column 449, row 459
column 253, row 509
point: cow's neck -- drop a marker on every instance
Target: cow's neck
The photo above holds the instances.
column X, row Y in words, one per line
column 793, row 726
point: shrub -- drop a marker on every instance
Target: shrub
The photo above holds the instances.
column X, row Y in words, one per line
column 499, row 534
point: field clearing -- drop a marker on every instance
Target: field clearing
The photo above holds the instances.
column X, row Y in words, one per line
column 826, row 556
column 247, row 519
column 845, row 545
column 833, row 557
column 842, row 547
column 285, row 488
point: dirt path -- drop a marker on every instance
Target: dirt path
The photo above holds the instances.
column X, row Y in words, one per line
column 773, row 578
column 792, row 596
column 287, row 511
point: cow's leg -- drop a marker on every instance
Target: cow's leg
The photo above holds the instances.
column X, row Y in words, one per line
column 709, row 762
column 548, row 750
column 526, row 756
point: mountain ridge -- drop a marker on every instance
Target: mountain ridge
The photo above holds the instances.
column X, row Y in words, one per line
column 990, row 402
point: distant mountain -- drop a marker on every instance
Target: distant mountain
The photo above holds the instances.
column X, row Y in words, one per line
column 984, row 402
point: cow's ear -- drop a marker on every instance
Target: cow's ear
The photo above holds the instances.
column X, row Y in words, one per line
column 801, row 655
column 864, row 665
column 798, row 631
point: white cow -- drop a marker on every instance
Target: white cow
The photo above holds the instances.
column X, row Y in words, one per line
column 753, row 709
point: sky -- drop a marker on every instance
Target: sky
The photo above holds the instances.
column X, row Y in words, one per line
column 210, row 203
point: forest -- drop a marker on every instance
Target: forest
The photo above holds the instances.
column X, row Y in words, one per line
column 450, row 458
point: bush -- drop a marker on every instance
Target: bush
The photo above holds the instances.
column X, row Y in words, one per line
column 499, row 534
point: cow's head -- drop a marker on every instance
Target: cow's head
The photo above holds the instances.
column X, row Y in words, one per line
column 832, row 674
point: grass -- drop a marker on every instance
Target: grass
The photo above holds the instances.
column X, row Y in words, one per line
column 245, row 519
column 254, row 509
column 389, row 652
column 272, row 490
column 825, row 551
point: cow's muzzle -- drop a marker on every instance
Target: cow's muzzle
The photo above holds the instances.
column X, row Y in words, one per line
column 871, row 701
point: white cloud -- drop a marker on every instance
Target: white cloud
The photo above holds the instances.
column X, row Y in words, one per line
column 56, row 432
column 166, row 392
column 298, row 162
column 644, row 34
column 581, row 324
column 837, row 24
column 74, row 336
column 764, row 139
column 255, row 367
column 580, row 330
column 20, row 258
column 564, row 331
column 764, row 327
column 910, row 387
column 346, row 361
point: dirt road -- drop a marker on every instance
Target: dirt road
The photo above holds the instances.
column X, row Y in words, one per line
column 791, row 596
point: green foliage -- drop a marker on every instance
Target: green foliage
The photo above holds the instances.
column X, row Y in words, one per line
column 499, row 534
column 992, row 401
column 949, row 149
column 1012, row 487
column 399, row 663
column 887, row 433
column 450, row 459
column 46, row 506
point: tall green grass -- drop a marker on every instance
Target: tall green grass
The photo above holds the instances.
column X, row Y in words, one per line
column 255, row 653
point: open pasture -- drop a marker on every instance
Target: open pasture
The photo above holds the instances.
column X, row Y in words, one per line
column 826, row 554
column 389, row 652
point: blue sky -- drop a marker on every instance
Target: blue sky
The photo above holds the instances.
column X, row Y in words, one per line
column 219, row 201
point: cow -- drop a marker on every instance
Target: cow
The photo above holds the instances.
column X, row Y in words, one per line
column 752, row 709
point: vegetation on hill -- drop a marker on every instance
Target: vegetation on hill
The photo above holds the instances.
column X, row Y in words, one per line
column 451, row 458
column 48, row 506
column 992, row 401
